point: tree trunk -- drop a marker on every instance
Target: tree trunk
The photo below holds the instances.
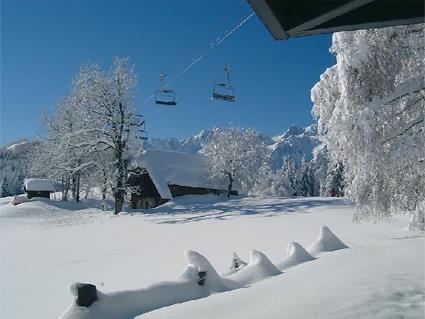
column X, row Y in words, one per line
column 104, row 189
column 77, row 188
column 65, row 194
column 63, row 188
column 229, row 187
column 119, row 203
column 121, row 166
column 73, row 186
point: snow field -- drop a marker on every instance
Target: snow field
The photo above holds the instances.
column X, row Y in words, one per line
column 190, row 286
column 45, row 248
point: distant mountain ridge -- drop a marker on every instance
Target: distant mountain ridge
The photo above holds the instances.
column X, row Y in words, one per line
column 296, row 143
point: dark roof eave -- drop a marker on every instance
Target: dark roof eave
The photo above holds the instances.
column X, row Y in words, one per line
column 334, row 18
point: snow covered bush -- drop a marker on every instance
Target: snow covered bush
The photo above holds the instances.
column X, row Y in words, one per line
column 370, row 107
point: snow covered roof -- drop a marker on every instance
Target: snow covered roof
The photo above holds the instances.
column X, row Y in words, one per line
column 167, row 168
column 38, row 184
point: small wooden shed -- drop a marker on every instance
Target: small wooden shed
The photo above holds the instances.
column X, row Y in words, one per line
column 38, row 187
column 159, row 176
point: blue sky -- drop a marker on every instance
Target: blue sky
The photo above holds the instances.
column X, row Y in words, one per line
column 44, row 43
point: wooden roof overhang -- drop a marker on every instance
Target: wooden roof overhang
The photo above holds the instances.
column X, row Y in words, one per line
column 295, row 18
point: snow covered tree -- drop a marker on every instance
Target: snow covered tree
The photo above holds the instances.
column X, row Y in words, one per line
column 4, row 188
column 14, row 164
column 273, row 183
column 320, row 163
column 334, row 184
column 92, row 132
column 306, row 182
column 370, row 107
column 235, row 154
column 291, row 173
column 108, row 97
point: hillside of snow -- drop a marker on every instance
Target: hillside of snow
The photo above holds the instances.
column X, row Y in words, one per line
column 138, row 263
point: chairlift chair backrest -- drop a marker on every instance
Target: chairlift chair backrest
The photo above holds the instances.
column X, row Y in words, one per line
column 143, row 135
column 224, row 91
column 165, row 96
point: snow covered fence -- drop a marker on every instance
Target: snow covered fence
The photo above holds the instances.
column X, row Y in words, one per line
column 198, row 280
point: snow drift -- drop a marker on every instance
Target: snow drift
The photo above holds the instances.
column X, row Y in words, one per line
column 327, row 241
column 258, row 268
column 296, row 255
column 198, row 280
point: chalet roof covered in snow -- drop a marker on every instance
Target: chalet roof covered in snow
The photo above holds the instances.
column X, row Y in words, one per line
column 175, row 168
column 295, row 18
column 38, row 185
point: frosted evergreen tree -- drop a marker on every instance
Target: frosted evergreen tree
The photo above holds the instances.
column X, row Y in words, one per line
column 334, row 184
column 305, row 182
column 291, row 174
column 4, row 188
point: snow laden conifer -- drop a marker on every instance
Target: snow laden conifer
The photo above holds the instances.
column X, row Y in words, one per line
column 235, row 155
column 370, row 107
column 4, row 187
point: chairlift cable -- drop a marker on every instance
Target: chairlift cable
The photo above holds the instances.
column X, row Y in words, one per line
column 197, row 44
column 206, row 51
column 212, row 46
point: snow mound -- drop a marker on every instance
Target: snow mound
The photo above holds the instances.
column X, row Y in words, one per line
column 258, row 268
column 198, row 280
column 327, row 241
column 237, row 264
column 296, row 255
column 19, row 200
column 213, row 281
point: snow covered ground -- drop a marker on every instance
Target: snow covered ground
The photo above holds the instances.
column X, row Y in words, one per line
column 45, row 246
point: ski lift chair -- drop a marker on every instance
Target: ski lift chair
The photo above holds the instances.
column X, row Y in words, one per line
column 224, row 91
column 143, row 135
column 165, row 96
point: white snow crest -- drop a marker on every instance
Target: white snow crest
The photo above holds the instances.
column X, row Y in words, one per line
column 296, row 255
column 213, row 281
column 237, row 265
column 327, row 241
column 258, row 268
